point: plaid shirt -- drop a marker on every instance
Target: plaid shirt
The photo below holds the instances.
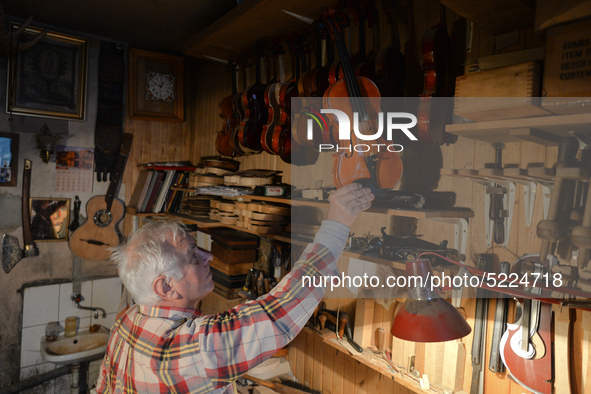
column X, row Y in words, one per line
column 172, row 350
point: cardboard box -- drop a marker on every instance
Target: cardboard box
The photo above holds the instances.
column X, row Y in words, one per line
column 495, row 16
column 500, row 93
column 551, row 12
column 567, row 68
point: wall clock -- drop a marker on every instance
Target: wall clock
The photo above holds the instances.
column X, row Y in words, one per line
column 155, row 86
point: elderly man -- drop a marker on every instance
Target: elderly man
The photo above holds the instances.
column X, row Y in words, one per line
column 163, row 345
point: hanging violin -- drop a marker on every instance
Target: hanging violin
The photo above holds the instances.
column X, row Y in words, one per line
column 436, row 56
column 223, row 143
column 374, row 165
column 256, row 113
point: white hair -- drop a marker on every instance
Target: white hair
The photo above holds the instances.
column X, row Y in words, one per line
column 155, row 249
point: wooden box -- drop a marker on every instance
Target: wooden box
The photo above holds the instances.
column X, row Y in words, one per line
column 501, row 93
column 233, row 256
column 567, row 68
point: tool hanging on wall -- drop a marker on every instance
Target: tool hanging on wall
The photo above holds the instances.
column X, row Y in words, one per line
column 484, row 263
column 497, row 193
column 76, row 221
column 11, row 251
column 552, row 230
column 495, row 363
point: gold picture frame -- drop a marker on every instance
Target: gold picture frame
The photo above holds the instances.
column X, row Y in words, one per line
column 50, row 218
column 143, row 66
column 48, row 79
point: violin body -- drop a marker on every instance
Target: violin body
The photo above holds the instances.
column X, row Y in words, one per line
column 223, row 142
column 436, row 57
column 286, row 92
column 255, row 116
column 390, row 72
column 382, row 167
column 271, row 98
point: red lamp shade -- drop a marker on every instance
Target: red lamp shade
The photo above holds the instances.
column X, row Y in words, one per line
column 425, row 316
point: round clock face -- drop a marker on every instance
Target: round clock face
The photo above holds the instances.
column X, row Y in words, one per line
column 160, row 86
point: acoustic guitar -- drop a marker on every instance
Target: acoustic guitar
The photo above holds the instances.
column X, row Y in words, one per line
column 92, row 240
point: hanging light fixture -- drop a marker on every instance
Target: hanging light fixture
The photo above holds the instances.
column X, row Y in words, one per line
column 425, row 316
column 46, row 143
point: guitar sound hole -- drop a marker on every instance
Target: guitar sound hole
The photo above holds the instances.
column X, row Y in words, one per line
column 102, row 218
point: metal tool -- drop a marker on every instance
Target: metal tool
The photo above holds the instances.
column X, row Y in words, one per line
column 11, row 250
column 495, row 363
column 551, row 229
column 484, row 263
column 496, row 212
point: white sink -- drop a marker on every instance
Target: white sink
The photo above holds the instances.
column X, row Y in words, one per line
column 82, row 347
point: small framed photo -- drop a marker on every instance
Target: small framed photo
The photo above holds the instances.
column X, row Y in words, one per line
column 8, row 159
column 155, row 86
column 50, row 218
column 48, row 79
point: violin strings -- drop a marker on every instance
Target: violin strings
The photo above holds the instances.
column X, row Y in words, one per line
column 351, row 83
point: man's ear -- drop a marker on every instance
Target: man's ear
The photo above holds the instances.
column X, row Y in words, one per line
column 164, row 290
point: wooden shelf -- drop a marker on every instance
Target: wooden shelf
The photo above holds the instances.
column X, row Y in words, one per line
column 459, row 213
column 237, row 31
column 541, row 129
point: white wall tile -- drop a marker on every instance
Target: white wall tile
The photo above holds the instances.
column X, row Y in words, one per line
column 40, row 305
column 67, row 306
column 106, row 294
column 30, row 346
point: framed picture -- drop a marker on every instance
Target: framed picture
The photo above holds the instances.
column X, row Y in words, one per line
column 155, row 86
column 8, row 159
column 48, row 79
column 50, row 218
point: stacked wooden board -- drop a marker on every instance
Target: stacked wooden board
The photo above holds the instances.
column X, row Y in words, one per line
column 262, row 217
column 197, row 206
column 234, row 253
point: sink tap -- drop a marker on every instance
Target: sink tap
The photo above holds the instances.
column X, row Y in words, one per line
column 77, row 297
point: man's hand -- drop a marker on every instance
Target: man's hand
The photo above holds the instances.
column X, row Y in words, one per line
column 347, row 202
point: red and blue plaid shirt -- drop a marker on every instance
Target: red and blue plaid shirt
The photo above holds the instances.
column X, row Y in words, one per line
column 172, row 350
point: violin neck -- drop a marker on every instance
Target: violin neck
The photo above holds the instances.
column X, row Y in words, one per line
column 349, row 75
column 234, row 80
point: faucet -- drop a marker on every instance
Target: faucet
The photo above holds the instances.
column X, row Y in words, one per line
column 77, row 297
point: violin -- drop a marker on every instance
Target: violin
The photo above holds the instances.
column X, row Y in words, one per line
column 271, row 97
column 366, row 66
column 255, row 110
column 323, row 51
column 373, row 167
column 436, row 58
column 287, row 91
column 223, row 139
column 238, row 110
column 390, row 63
column 289, row 146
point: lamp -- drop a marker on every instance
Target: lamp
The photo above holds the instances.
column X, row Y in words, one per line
column 46, row 143
column 425, row 316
